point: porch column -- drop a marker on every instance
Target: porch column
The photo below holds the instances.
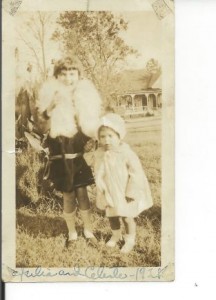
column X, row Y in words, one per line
column 133, row 101
column 152, row 102
column 148, row 100
column 159, row 99
column 146, row 95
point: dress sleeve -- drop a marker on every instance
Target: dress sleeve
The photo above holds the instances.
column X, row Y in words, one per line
column 44, row 97
column 42, row 122
column 137, row 181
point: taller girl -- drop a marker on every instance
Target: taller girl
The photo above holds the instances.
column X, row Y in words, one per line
column 71, row 107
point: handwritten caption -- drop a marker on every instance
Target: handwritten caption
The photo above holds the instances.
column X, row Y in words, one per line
column 91, row 273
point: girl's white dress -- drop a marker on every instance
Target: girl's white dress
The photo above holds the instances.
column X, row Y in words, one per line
column 122, row 187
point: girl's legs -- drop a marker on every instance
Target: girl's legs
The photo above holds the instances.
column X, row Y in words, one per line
column 130, row 225
column 69, row 205
column 114, row 223
column 130, row 228
column 116, row 232
column 84, row 206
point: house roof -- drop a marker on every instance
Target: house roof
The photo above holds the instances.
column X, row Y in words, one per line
column 157, row 83
column 138, row 80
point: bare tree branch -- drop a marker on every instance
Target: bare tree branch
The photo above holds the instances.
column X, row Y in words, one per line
column 28, row 44
column 37, row 27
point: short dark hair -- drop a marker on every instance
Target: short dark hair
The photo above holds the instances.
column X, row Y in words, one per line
column 66, row 64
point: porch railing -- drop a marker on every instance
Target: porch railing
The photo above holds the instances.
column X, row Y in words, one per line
column 136, row 110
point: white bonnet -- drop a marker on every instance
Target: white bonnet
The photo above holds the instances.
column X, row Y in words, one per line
column 115, row 122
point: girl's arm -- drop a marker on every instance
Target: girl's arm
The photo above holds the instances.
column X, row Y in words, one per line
column 138, row 186
column 46, row 102
column 89, row 150
column 47, row 112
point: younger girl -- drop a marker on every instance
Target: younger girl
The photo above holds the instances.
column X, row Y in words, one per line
column 70, row 107
column 122, row 187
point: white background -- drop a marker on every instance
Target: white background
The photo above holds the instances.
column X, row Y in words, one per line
column 195, row 175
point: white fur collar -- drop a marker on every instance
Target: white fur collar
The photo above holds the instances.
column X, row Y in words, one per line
column 84, row 103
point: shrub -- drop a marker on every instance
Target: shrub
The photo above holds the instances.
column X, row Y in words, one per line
column 29, row 176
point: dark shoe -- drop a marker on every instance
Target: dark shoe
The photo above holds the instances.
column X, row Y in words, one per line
column 69, row 243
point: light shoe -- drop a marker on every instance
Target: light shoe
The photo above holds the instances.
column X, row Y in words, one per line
column 129, row 243
column 111, row 243
column 115, row 238
column 88, row 234
column 72, row 236
column 90, row 238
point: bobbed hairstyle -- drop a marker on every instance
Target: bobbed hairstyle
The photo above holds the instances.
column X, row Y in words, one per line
column 66, row 64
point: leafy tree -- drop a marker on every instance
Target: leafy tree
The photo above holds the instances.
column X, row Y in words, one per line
column 152, row 72
column 94, row 37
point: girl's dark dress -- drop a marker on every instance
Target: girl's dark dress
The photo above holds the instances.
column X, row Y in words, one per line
column 69, row 174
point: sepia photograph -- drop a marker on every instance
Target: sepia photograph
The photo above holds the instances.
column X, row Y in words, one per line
column 90, row 117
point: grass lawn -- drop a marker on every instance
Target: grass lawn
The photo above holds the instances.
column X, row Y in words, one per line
column 41, row 231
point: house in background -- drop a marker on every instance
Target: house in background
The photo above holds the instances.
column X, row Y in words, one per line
column 139, row 102
column 145, row 99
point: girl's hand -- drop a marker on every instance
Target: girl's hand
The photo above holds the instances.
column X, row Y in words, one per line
column 89, row 146
column 128, row 199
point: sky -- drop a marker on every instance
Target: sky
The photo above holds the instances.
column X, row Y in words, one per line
column 143, row 34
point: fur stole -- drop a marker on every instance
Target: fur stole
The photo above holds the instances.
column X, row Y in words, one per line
column 80, row 106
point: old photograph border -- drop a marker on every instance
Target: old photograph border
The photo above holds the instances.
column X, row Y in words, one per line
column 164, row 272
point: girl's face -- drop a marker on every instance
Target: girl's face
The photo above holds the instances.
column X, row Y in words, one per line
column 108, row 138
column 69, row 77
